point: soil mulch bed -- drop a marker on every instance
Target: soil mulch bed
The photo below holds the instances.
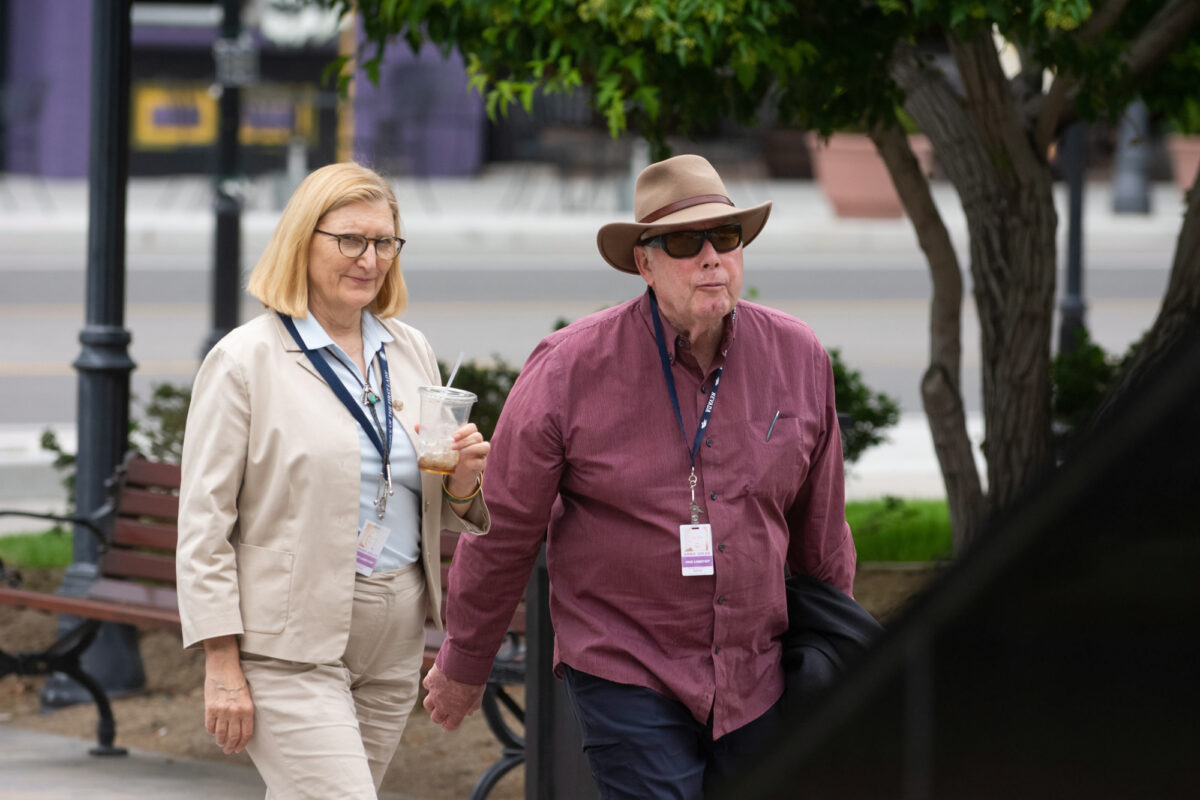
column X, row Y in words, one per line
column 169, row 715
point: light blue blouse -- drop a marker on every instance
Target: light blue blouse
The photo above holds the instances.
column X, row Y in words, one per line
column 403, row 516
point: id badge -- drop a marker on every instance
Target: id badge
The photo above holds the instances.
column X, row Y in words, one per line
column 695, row 549
column 371, row 540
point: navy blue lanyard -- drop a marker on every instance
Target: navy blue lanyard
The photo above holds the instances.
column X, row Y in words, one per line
column 666, row 367
column 384, row 445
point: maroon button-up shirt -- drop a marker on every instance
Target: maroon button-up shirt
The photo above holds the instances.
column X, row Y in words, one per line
column 588, row 452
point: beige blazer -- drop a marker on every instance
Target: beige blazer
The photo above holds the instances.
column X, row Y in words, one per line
column 268, row 507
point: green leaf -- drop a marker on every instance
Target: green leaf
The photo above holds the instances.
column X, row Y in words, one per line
column 745, row 72
column 632, row 64
column 647, row 97
column 371, row 67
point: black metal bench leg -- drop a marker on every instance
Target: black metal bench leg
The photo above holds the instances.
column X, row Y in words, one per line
column 63, row 656
column 513, row 754
column 488, row 780
column 106, row 725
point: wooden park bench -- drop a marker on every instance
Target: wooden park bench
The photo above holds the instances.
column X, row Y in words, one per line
column 135, row 585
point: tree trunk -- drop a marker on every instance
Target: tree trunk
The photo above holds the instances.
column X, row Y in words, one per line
column 941, row 390
column 1181, row 305
column 1012, row 221
column 1005, row 189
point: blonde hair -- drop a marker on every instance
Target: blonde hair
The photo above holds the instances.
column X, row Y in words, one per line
column 280, row 278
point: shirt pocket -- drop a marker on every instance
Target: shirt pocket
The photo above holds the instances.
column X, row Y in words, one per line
column 773, row 468
column 265, row 587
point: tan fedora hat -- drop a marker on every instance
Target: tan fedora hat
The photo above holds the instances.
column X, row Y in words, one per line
column 677, row 191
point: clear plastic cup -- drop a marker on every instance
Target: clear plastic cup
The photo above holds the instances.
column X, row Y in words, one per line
column 443, row 411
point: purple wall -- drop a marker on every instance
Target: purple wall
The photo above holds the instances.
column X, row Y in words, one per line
column 420, row 120
column 46, row 99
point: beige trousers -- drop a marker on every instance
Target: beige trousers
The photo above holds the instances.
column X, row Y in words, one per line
column 329, row 730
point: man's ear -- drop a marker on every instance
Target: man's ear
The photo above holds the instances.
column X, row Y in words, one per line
column 642, row 260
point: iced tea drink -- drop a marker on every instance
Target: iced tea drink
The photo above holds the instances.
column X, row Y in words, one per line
column 443, row 411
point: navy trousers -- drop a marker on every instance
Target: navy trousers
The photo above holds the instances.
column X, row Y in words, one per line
column 642, row 745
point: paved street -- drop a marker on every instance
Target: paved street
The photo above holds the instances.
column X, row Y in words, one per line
column 490, row 269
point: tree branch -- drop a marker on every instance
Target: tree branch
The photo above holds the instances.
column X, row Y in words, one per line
column 1102, row 21
column 1162, row 33
column 992, row 106
column 1062, row 89
column 935, row 106
column 1181, row 305
column 1051, row 113
column 1168, row 28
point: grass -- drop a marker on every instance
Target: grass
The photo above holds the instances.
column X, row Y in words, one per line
column 892, row 529
column 50, row 548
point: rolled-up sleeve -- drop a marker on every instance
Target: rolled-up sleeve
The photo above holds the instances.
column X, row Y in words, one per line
column 488, row 574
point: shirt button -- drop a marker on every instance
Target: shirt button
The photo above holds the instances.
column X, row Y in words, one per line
column 721, row 600
column 717, row 649
column 708, row 442
column 713, row 496
column 721, row 547
column 704, row 390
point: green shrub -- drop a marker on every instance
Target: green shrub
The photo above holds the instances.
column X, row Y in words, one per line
column 158, row 435
column 892, row 529
column 1186, row 119
column 1080, row 379
column 870, row 412
column 491, row 383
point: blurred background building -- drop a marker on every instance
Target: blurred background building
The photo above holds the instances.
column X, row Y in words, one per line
column 420, row 120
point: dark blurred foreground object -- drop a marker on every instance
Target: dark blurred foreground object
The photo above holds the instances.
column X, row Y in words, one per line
column 1057, row 659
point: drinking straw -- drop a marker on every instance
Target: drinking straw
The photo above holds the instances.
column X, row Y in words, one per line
column 454, row 371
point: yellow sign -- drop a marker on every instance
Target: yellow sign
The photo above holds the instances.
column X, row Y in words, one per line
column 167, row 116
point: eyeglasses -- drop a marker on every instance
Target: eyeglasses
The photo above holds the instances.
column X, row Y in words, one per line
column 353, row 245
column 685, row 244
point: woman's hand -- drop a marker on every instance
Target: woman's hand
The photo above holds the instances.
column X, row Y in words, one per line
column 228, row 709
column 472, row 458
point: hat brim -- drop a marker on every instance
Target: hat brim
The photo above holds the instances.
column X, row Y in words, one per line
column 616, row 240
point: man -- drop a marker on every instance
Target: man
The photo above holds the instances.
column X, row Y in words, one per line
column 680, row 454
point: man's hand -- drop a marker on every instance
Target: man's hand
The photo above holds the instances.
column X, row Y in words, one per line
column 228, row 709
column 449, row 702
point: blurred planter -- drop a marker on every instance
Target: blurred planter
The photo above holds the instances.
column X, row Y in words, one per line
column 786, row 152
column 1185, row 158
column 854, row 178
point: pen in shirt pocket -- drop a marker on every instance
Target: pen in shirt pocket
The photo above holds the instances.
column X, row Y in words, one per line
column 771, row 428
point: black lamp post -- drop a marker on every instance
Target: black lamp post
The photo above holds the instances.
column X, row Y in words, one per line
column 236, row 66
column 103, row 363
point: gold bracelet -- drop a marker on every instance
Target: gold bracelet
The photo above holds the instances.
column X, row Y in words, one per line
column 453, row 498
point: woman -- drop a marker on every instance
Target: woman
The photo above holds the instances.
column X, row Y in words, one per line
column 297, row 476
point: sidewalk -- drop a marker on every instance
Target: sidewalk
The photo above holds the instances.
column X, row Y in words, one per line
column 522, row 210
column 40, row 766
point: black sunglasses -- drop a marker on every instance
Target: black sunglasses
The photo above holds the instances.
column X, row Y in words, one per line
column 685, row 244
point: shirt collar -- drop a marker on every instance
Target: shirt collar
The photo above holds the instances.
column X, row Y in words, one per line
column 374, row 334
column 672, row 336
